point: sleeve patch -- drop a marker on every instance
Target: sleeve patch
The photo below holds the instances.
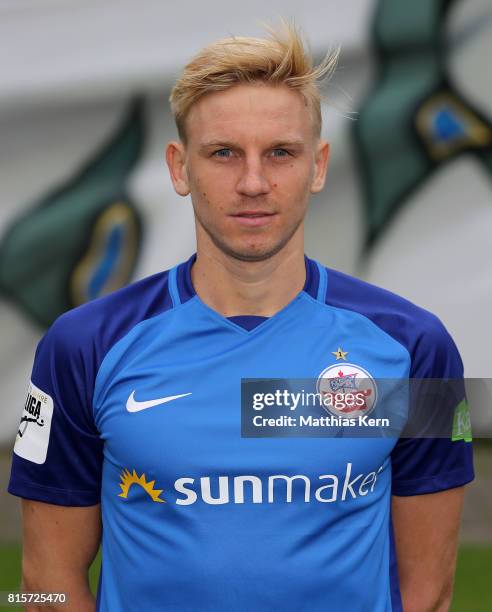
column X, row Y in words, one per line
column 461, row 423
column 33, row 436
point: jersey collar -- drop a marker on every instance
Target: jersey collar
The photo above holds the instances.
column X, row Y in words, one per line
column 186, row 290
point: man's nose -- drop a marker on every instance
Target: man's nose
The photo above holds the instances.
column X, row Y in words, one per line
column 253, row 181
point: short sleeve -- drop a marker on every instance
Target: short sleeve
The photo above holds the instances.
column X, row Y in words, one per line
column 432, row 464
column 58, row 452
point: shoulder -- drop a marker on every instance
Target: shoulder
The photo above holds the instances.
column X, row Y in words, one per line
column 420, row 331
column 95, row 326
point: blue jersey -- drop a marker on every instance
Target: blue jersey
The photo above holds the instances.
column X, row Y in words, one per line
column 135, row 402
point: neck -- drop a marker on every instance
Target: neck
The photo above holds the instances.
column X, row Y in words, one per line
column 233, row 287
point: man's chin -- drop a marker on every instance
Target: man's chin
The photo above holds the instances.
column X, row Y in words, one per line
column 248, row 253
column 259, row 248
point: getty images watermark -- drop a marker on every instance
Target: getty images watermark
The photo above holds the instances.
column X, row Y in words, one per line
column 354, row 404
column 351, row 409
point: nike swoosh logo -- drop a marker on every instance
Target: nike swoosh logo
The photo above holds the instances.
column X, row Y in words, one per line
column 132, row 405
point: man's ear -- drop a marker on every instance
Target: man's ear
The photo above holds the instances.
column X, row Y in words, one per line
column 176, row 162
column 322, row 156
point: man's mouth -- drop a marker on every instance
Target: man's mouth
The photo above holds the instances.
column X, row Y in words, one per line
column 254, row 218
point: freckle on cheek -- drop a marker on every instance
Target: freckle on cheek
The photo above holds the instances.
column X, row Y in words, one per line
column 274, row 184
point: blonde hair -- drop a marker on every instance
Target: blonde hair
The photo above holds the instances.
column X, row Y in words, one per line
column 281, row 59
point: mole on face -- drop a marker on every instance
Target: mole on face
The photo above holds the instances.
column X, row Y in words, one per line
column 274, row 184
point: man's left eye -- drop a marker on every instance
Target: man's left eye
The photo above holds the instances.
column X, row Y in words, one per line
column 280, row 153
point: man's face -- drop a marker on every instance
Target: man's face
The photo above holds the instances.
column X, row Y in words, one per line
column 250, row 164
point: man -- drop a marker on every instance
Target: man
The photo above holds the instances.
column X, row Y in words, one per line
column 140, row 392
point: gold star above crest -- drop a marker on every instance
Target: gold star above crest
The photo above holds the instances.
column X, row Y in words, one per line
column 340, row 354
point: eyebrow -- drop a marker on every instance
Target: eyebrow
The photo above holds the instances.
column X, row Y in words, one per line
column 233, row 145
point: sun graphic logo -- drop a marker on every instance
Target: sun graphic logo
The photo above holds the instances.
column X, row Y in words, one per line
column 130, row 478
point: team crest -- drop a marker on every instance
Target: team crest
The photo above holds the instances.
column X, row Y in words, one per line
column 347, row 390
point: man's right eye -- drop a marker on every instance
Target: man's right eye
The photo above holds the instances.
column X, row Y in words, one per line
column 222, row 153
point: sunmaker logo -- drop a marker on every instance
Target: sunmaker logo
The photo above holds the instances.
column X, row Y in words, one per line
column 128, row 479
column 277, row 488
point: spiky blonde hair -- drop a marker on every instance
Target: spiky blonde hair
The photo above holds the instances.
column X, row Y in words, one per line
column 281, row 59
